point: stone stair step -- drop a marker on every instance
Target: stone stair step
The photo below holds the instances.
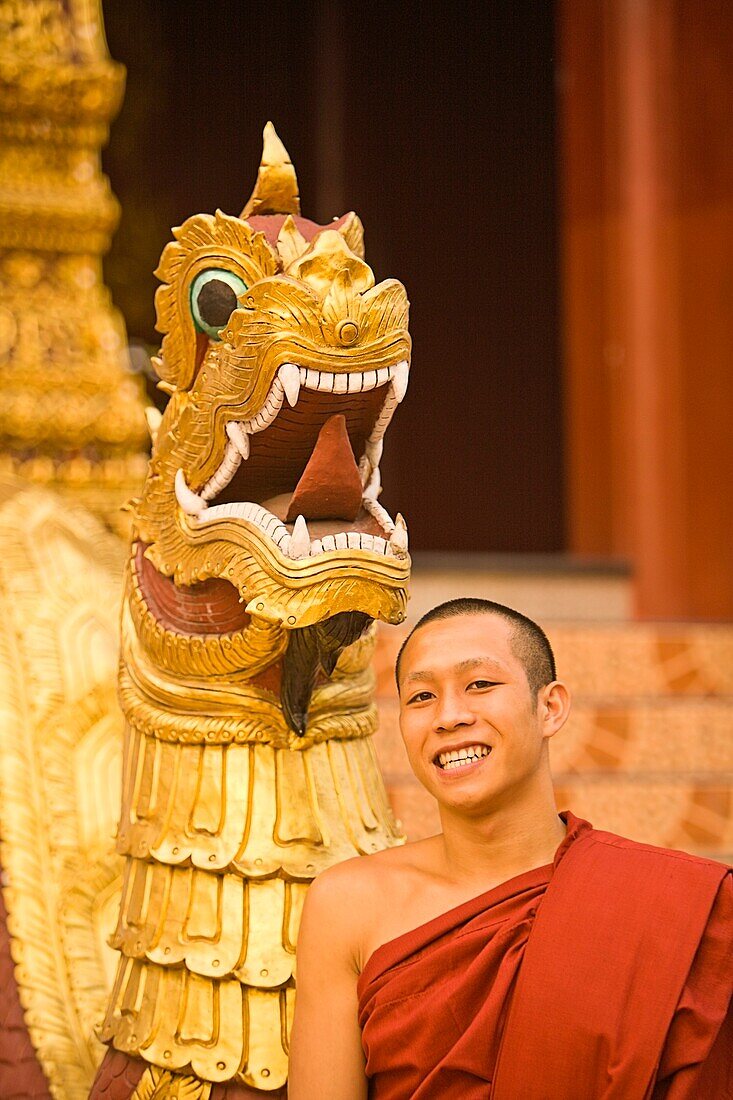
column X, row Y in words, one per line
column 639, row 659
column 543, row 586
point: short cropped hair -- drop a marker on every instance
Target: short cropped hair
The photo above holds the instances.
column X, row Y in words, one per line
column 528, row 642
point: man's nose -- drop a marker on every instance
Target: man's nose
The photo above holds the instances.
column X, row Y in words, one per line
column 452, row 713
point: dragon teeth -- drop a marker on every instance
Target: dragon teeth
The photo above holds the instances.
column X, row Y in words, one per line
column 374, row 485
column 192, row 504
column 400, row 376
column 292, row 378
column 365, row 470
column 225, row 473
column 374, row 450
column 380, row 514
column 398, row 538
column 269, row 410
column 286, row 385
column 298, row 545
column 289, row 375
column 382, row 422
column 300, row 540
column 239, row 438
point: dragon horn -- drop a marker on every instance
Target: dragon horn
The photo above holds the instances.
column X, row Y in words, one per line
column 276, row 190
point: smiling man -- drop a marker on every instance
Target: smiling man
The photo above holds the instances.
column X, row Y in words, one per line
column 519, row 954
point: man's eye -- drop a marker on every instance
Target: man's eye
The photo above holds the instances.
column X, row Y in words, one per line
column 420, row 697
column 482, row 684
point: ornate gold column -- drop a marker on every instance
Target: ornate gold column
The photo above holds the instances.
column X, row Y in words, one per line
column 71, row 414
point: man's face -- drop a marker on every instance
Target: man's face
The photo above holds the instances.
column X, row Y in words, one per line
column 474, row 734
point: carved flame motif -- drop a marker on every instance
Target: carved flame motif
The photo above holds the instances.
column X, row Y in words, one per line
column 261, row 557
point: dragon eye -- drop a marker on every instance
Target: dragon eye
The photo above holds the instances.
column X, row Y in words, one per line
column 214, row 296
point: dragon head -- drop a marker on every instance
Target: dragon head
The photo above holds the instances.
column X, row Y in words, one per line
column 259, row 523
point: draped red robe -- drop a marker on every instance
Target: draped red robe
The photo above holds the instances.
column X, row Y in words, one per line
column 606, row 975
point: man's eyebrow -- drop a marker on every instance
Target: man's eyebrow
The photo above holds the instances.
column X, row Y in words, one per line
column 418, row 676
column 481, row 662
column 462, row 666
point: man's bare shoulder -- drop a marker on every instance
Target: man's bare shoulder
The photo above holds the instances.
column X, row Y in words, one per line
column 347, row 890
column 361, row 872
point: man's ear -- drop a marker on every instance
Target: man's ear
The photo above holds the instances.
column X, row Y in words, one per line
column 553, row 705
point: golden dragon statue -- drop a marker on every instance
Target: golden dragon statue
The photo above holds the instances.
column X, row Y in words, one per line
column 260, row 560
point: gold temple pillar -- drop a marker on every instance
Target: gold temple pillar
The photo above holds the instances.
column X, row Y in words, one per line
column 71, row 413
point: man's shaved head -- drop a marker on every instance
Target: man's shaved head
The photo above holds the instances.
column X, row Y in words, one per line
column 528, row 642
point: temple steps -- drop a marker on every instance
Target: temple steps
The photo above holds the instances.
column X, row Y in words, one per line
column 648, row 749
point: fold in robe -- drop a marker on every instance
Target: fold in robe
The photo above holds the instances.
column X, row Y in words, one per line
column 606, row 974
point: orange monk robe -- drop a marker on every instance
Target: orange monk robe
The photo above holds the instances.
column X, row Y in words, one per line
column 606, row 975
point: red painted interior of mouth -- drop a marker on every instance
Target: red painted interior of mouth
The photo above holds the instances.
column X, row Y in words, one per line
column 209, row 607
column 321, row 495
column 280, row 455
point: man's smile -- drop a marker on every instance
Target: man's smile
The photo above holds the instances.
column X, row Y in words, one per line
column 462, row 759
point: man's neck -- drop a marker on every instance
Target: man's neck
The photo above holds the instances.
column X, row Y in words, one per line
column 494, row 847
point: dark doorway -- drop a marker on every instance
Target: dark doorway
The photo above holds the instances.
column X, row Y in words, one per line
column 436, row 124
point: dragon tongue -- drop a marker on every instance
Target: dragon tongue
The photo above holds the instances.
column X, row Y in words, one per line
column 330, row 487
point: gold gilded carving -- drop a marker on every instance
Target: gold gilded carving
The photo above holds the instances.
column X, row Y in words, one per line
column 161, row 1084
column 276, row 190
column 164, row 792
column 285, row 315
column 241, row 781
column 211, row 706
column 71, row 414
column 70, row 417
column 60, row 739
column 202, row 241
column 242, row 652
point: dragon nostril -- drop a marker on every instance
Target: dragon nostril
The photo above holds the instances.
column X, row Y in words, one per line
column 347, row 331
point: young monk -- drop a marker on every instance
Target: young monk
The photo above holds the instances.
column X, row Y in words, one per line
column 518, row 954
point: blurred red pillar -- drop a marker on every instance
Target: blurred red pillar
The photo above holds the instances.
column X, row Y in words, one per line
column 646, row 172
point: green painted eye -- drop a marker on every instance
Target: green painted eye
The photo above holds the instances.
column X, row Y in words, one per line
column 214, row 296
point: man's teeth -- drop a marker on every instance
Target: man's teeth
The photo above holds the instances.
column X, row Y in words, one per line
column 459, row 758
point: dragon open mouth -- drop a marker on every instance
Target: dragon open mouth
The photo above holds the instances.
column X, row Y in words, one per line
column 305, row 469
